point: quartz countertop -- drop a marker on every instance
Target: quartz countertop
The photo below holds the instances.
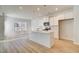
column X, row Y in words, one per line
column 43, row 31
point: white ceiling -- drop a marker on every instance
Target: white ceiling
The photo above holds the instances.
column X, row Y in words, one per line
column 30, row 11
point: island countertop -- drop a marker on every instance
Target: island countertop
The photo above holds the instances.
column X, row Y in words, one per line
column 42, row 31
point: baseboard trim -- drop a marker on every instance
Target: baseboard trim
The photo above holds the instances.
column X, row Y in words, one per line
column 76, row 43
column 56, row 38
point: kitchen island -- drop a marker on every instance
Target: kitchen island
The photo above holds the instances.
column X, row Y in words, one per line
column 44, row 38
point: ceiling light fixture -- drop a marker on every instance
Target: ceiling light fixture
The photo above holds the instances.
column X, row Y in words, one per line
column 56, row 9
column 38, row 9
column 20, row 7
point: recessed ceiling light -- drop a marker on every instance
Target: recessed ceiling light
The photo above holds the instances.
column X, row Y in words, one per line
column 44, row 18
column 56, row 9
column 20, row 7
column 38, row 9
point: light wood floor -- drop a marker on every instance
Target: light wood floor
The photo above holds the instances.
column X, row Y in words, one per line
column 28, row 46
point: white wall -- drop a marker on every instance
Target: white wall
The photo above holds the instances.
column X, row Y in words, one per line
column 1, row 27
column 76, row 24
column 9, row 27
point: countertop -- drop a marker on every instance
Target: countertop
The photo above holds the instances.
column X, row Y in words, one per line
column 41, row 31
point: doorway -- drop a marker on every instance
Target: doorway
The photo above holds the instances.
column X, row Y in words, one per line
column 66, row 29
